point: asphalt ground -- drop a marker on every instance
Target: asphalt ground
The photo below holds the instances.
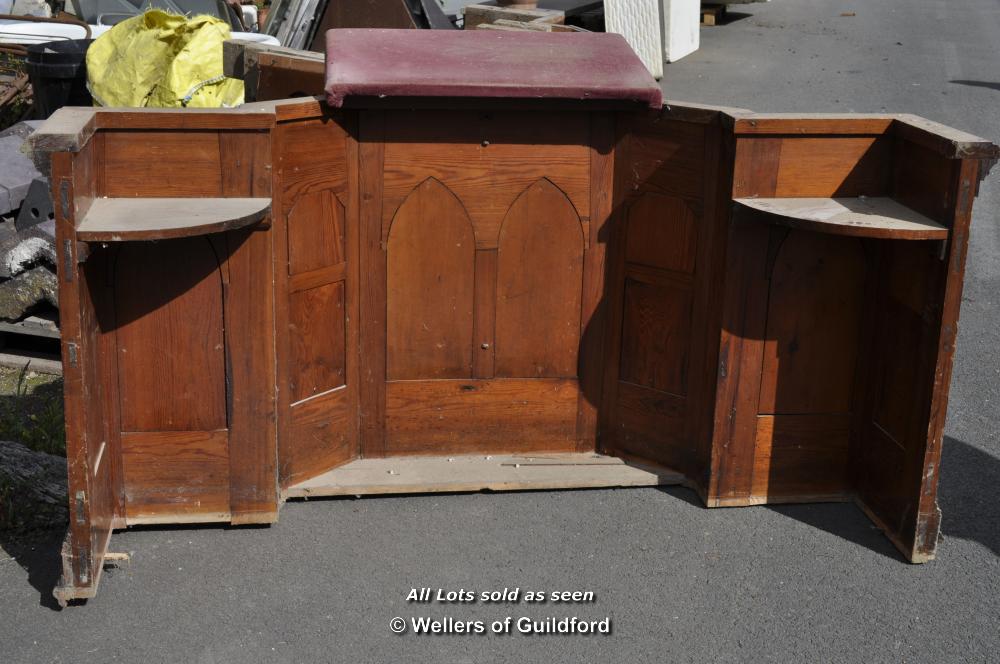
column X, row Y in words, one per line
column 681, row 583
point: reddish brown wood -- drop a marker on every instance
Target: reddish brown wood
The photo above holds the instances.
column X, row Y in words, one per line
column 813, row 325
column 485, row 315
column 470, row 416
column 173, row 476
column 316, row 330
column 539, row 269
column 170, row 347
column 431, row 256
column 317, row 296
column 463, row 281
column 593, row 314
column 372, row 317
column 315, row 231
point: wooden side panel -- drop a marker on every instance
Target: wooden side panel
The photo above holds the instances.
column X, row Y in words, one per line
column 539, row 277
column 94, row 485
column 253, row 463
column 656, row 335
column 171, row 355
column 316, row 239
column 813, row 325
column 321, row 433
column 151, row 163
column 801, row 455
column 662, row 233
column 315, row 231
column 316, row 329
column 814, row 166
column 430, row 287
column 659, row 380
column 490, row 416
column 791, row 345
column 924, row 181
column 176, row 476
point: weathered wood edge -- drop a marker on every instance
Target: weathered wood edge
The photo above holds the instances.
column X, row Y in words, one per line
column 751, row 208
column 256, row 210
column 949, row 142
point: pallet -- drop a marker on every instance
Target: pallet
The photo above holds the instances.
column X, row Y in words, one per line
column 712, row 14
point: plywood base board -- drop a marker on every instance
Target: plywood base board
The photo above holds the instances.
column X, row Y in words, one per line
column 482, row 473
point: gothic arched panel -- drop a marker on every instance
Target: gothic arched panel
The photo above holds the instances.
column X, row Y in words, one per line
column 430, row 286
column 539, row 286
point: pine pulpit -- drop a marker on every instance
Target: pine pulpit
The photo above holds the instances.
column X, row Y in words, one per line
column 489, row 260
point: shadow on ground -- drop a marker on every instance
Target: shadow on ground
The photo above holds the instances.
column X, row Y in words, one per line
column 969, row 513
column 977, row 84
column 964, row 496
column 38, row 553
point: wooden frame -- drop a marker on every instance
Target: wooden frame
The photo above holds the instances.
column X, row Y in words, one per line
column 387, row 300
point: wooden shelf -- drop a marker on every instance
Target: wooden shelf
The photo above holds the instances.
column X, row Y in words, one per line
column 128, row 219
column 881, row 218
column 482, row 472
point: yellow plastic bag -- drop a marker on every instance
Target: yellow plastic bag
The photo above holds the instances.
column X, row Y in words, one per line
column 162, row 60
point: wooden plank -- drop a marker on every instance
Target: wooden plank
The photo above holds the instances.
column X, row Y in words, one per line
column 593, row 312
column 662, row 233
column 946, row 141
column 483, row 473
column 878, row 217
column 132, row 219
column 755, row 168
column 372, row 255
column 804, row 124
column 162, row 163
column 321, row 434
column 833, row 166
column 176, row 475
column 928, row 515
column 250, row 361
column 463, row 416
column 656, row 336
column 744, row 317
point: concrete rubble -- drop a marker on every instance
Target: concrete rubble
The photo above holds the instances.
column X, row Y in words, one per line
column 27, row 231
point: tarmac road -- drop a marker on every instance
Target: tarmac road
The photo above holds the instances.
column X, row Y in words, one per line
column 680, row 582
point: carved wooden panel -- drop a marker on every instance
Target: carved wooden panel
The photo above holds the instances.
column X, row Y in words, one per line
column 539, row 286
column 430, row 285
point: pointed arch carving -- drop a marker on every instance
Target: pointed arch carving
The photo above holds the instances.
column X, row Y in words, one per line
column 539, row 285
column 430, row 286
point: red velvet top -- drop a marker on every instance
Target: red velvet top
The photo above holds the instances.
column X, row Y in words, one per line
column 485, row 63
